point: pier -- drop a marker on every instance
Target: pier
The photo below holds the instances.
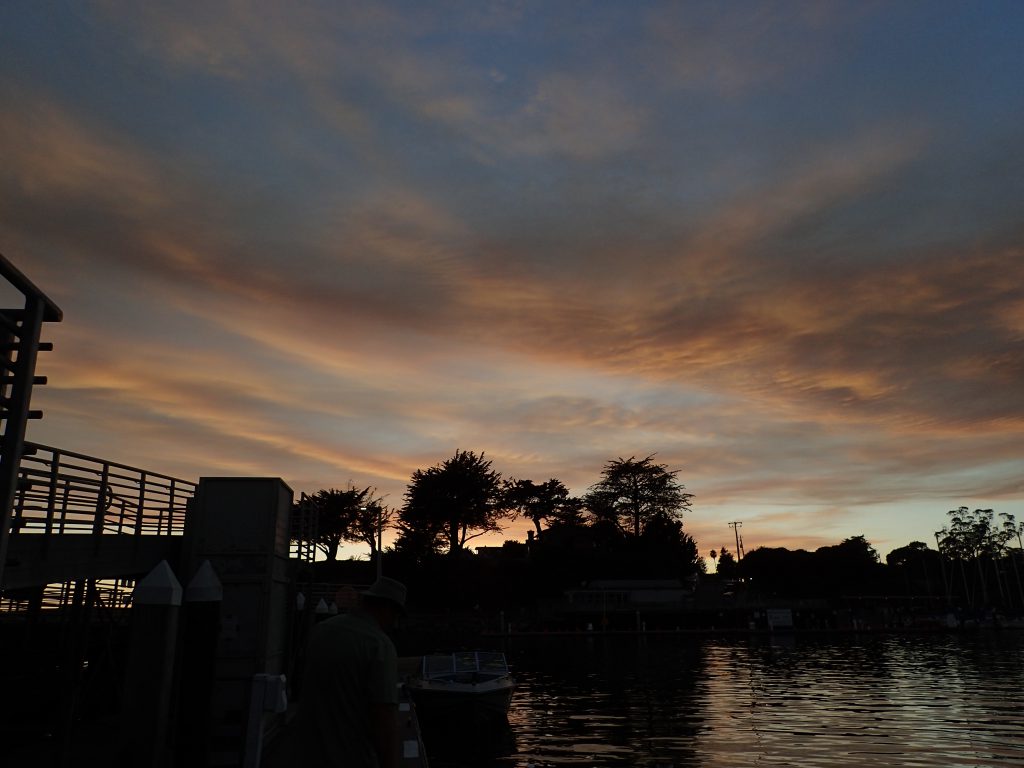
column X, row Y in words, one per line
column 145, row 620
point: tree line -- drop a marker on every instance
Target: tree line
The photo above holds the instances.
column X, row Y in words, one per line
column 977, row 563
column 629, row 524
column 636, row 501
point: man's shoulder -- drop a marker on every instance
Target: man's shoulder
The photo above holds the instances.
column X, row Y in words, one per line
column 356, row 625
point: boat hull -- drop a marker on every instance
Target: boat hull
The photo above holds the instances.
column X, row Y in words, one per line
column 492, row 697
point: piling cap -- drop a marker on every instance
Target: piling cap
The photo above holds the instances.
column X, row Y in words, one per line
column 205, row 587
column 159, row 587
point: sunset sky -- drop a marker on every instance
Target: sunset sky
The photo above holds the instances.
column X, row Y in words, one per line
column 779, row 245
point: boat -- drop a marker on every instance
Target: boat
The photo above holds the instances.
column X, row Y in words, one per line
column 475, row 680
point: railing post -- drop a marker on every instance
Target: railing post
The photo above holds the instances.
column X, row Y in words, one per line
column 64, row 506
column 51, row 503
column 170, row 508
column 101, row 501
column 141, row 508
column 18, row 514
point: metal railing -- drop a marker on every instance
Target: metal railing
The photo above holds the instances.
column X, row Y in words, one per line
column 110, row 595
column 20, row 344
column 62, row 492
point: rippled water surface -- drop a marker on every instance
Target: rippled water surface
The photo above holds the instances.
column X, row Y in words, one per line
column 893, row 700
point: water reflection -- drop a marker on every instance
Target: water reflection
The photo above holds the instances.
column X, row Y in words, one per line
column 596, row 701
column 466, row 741
column 667, row 701
column 878, row 701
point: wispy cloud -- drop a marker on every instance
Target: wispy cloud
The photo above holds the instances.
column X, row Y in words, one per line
column 340, row 241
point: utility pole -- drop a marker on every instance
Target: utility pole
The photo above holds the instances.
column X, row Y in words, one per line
column 739, row 541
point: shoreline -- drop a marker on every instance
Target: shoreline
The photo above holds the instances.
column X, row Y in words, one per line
column 748, row 632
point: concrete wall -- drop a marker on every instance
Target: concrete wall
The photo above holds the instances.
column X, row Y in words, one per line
column 241, row 526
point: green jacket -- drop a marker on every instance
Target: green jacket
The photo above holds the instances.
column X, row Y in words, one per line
column 350, row 665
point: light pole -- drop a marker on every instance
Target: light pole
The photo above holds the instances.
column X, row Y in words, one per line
column 380, row 531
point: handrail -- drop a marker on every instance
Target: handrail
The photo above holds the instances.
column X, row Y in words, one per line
column 67, row 492
column 51, row 312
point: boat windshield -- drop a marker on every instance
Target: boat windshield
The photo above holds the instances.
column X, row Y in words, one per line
column 486, row 662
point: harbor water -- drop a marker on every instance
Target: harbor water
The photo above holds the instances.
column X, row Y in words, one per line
column 800, row 700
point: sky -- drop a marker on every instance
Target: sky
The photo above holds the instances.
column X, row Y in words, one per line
column 777, row 245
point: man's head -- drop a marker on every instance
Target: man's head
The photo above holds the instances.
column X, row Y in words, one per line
column 385, row 601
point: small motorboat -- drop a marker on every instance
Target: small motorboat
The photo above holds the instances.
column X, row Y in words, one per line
column 477, row 679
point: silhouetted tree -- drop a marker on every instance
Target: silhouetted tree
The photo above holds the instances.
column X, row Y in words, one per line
column 569, row 528
column 727, row 567
column 1011, row 530
column 902, row 557
column 534, row 501
column 968, row 533
column 420, row 541
column 570, row 513
column 916, row 566
column 369, row 519
column 351, row 515
column 452, row 503
column 850, row 567
column 668, row 549
column 854, row 553
column 632, row 492
column 970, row 538
column 780, row 571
